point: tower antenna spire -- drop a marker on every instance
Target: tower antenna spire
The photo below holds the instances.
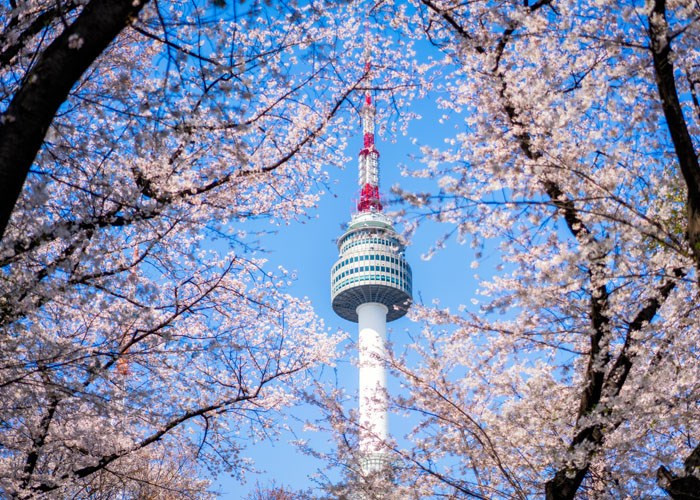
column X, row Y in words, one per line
column 369, row 155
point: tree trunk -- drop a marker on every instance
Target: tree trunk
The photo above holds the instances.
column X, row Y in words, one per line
column 687, row 486
column 675, row 121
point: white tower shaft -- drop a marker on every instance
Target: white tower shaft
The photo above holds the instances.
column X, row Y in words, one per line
column 374, row 427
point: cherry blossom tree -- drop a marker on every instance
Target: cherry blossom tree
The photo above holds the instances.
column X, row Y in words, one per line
column 44, row 85
column 142, row 334
column 574, row 163
column 272, row 492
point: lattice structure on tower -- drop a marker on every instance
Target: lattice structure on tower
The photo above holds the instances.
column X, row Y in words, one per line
column 369, row 160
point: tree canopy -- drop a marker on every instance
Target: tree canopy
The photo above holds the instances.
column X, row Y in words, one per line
column 143, row 336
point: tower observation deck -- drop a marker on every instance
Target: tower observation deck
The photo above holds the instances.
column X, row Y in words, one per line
column 371, row 268
column 371, row 284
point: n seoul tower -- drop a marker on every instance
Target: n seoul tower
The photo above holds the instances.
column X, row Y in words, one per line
column 370, row 285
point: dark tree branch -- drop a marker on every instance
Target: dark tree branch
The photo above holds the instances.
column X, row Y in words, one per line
column 675, row 121
column 40, row 22
column 453, row 23
column 173, row 45
column 566, row 481
column 685, row 486
column 38, row 442
column 46, row 86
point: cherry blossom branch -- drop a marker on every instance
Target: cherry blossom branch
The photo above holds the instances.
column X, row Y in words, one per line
column 480, row 434
column 165, row 41
column 567, row 481
column 156, row 436
column 45, row 87
column 267, row 374
column 38, row 442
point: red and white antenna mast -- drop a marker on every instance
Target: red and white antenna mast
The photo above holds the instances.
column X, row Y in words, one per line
column 369, row 156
